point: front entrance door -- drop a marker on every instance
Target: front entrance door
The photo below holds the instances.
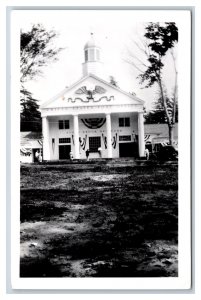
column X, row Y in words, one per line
column 94, row 143
column 127, row 149
column 64, row 151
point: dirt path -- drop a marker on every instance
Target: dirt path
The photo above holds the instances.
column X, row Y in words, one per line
column 108, row 223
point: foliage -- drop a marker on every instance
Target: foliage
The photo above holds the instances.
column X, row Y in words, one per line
column 30, row 117
column 157, row 115
column 36, row 50
column 160, row 38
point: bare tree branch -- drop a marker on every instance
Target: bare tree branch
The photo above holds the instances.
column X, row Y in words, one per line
column 134, row 65
column 132, row 55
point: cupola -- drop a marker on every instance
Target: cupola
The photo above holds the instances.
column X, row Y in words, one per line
column 92, row 57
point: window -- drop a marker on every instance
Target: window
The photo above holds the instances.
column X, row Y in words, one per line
column 61, row 124
column 124, row 122
column 121, row 122
column 64, row 141
column 91, row 55
column 86, row 55
column 64, row 124
column 127, row 122
column 97, row 54
column 94, row 143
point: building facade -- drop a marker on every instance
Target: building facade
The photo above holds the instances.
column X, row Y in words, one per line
column 92, row 115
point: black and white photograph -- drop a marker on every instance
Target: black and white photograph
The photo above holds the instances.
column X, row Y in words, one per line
column 101, row 97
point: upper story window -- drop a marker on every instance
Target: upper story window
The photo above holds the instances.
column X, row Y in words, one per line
column 124, row 122
column 64, row 124
column 97, row 54
column 91, row 54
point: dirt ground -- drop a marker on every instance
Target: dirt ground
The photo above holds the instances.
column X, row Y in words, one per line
column 99, row 220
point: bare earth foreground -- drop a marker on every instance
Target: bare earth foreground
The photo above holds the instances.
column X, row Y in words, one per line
column 106, row 219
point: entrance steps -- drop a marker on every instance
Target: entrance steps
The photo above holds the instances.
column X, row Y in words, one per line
column 110, row 166
column 113, row 162
column 93, row 161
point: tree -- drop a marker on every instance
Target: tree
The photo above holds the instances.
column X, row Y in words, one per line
column 157, row 115
column 30, row 117
column 36, row 51
column 160, row 38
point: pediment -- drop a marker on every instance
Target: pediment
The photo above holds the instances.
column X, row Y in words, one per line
column 89, row 91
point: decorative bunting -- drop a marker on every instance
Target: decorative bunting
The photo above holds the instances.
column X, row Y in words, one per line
column 83, row 142
column 40, row 142
column 94, row 123
column 73, row 139
column 104, row 140
column 53, row 145
column 26, row 152
column 114, row 143
column 146, row 138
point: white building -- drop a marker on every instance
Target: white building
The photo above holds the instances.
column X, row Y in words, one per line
column 92, row 114
column 30, row 142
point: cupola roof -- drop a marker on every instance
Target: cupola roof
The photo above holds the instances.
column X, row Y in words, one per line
column 91, row 42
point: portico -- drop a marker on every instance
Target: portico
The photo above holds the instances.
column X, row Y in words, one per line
column 81, row 128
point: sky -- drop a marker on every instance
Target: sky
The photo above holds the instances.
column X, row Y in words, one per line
column 114, row 31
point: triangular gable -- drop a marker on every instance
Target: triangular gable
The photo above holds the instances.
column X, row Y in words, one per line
column 103, row 92
column 118, row 89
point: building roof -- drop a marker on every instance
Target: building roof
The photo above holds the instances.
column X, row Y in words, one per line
column 91, row 43
column 160, row 129
column 29, row 139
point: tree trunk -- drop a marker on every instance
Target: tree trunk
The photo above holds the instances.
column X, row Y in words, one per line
column 164, row 101
column 175, row 89
column 170, row 125
column 171, row 128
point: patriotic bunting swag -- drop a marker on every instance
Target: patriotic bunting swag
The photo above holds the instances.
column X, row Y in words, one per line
column 83, row 142
column 94, row 123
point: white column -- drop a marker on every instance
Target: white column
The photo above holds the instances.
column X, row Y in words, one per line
column 76, row 136
column 109, row 136
column 46, row 143
column 141, row 143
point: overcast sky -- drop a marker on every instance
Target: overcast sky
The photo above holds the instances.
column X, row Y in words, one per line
column 114, row 31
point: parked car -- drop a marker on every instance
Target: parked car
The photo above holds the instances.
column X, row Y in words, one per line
column 167, row 153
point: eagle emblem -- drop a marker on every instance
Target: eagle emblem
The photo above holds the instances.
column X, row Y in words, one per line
column 90, row 93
